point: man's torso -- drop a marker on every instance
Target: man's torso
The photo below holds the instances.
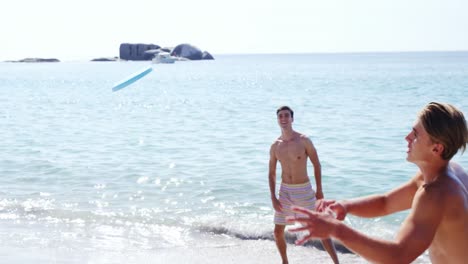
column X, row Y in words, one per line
column 450, row 243
column 293, row 156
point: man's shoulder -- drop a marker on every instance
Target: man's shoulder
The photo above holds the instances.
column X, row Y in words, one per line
column 276, row 142
column 303, row 136
column 306, row 140
column 454, row 196
column 442, row 193
column 460, row 173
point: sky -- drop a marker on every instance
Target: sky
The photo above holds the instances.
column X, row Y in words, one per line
column 87, row 29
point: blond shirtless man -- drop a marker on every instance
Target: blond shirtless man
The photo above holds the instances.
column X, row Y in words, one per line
column 292, row 150
column 437, row 197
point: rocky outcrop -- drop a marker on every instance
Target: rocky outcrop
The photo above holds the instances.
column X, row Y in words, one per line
column 207, row 56
column 106, row 59
column 139, row 52
column 187, row 51
column 136, row 52
column 190, row 52
column 36, row 60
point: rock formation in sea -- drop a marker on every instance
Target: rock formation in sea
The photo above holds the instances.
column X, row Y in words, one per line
column 106, row 59
column 137, row 52
column 187, row 51
column 36, row 60
column 207, row 56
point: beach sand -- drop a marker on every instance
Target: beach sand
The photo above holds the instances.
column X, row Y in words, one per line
column 236, row 251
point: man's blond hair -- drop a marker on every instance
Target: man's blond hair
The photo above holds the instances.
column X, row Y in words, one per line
column 446, row 125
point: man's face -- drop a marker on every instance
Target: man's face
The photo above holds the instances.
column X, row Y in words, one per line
column 284, row 118
column 420, row 145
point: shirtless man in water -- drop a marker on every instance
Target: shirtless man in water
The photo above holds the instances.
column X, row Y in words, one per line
column 437, row 197
column 292, row 150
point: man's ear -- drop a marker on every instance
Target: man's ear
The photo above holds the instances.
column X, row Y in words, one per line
column 438, row 149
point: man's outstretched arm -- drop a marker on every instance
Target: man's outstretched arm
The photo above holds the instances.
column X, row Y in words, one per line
column 414, row 237
column 396, row 200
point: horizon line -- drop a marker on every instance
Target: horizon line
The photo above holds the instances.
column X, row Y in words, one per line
column 276, row 53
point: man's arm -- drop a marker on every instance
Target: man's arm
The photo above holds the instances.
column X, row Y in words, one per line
column 396, row 200
column 414, row 237
column 313, row 156
column 272, row 177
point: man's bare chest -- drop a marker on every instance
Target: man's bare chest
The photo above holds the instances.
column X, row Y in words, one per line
column 290, row 151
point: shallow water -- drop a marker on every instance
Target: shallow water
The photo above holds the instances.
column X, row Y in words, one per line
column 174, row 166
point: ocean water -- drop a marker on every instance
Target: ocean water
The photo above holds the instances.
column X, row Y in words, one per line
column 173, row 168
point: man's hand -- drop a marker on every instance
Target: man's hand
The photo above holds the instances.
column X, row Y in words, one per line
column 331, row 205
column 276, row 204
column 319, row 225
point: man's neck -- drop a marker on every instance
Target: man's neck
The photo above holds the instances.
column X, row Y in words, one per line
column 432, row 171
column 287, row 134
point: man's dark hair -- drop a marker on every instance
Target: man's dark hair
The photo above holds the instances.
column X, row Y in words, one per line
column 285, row 107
